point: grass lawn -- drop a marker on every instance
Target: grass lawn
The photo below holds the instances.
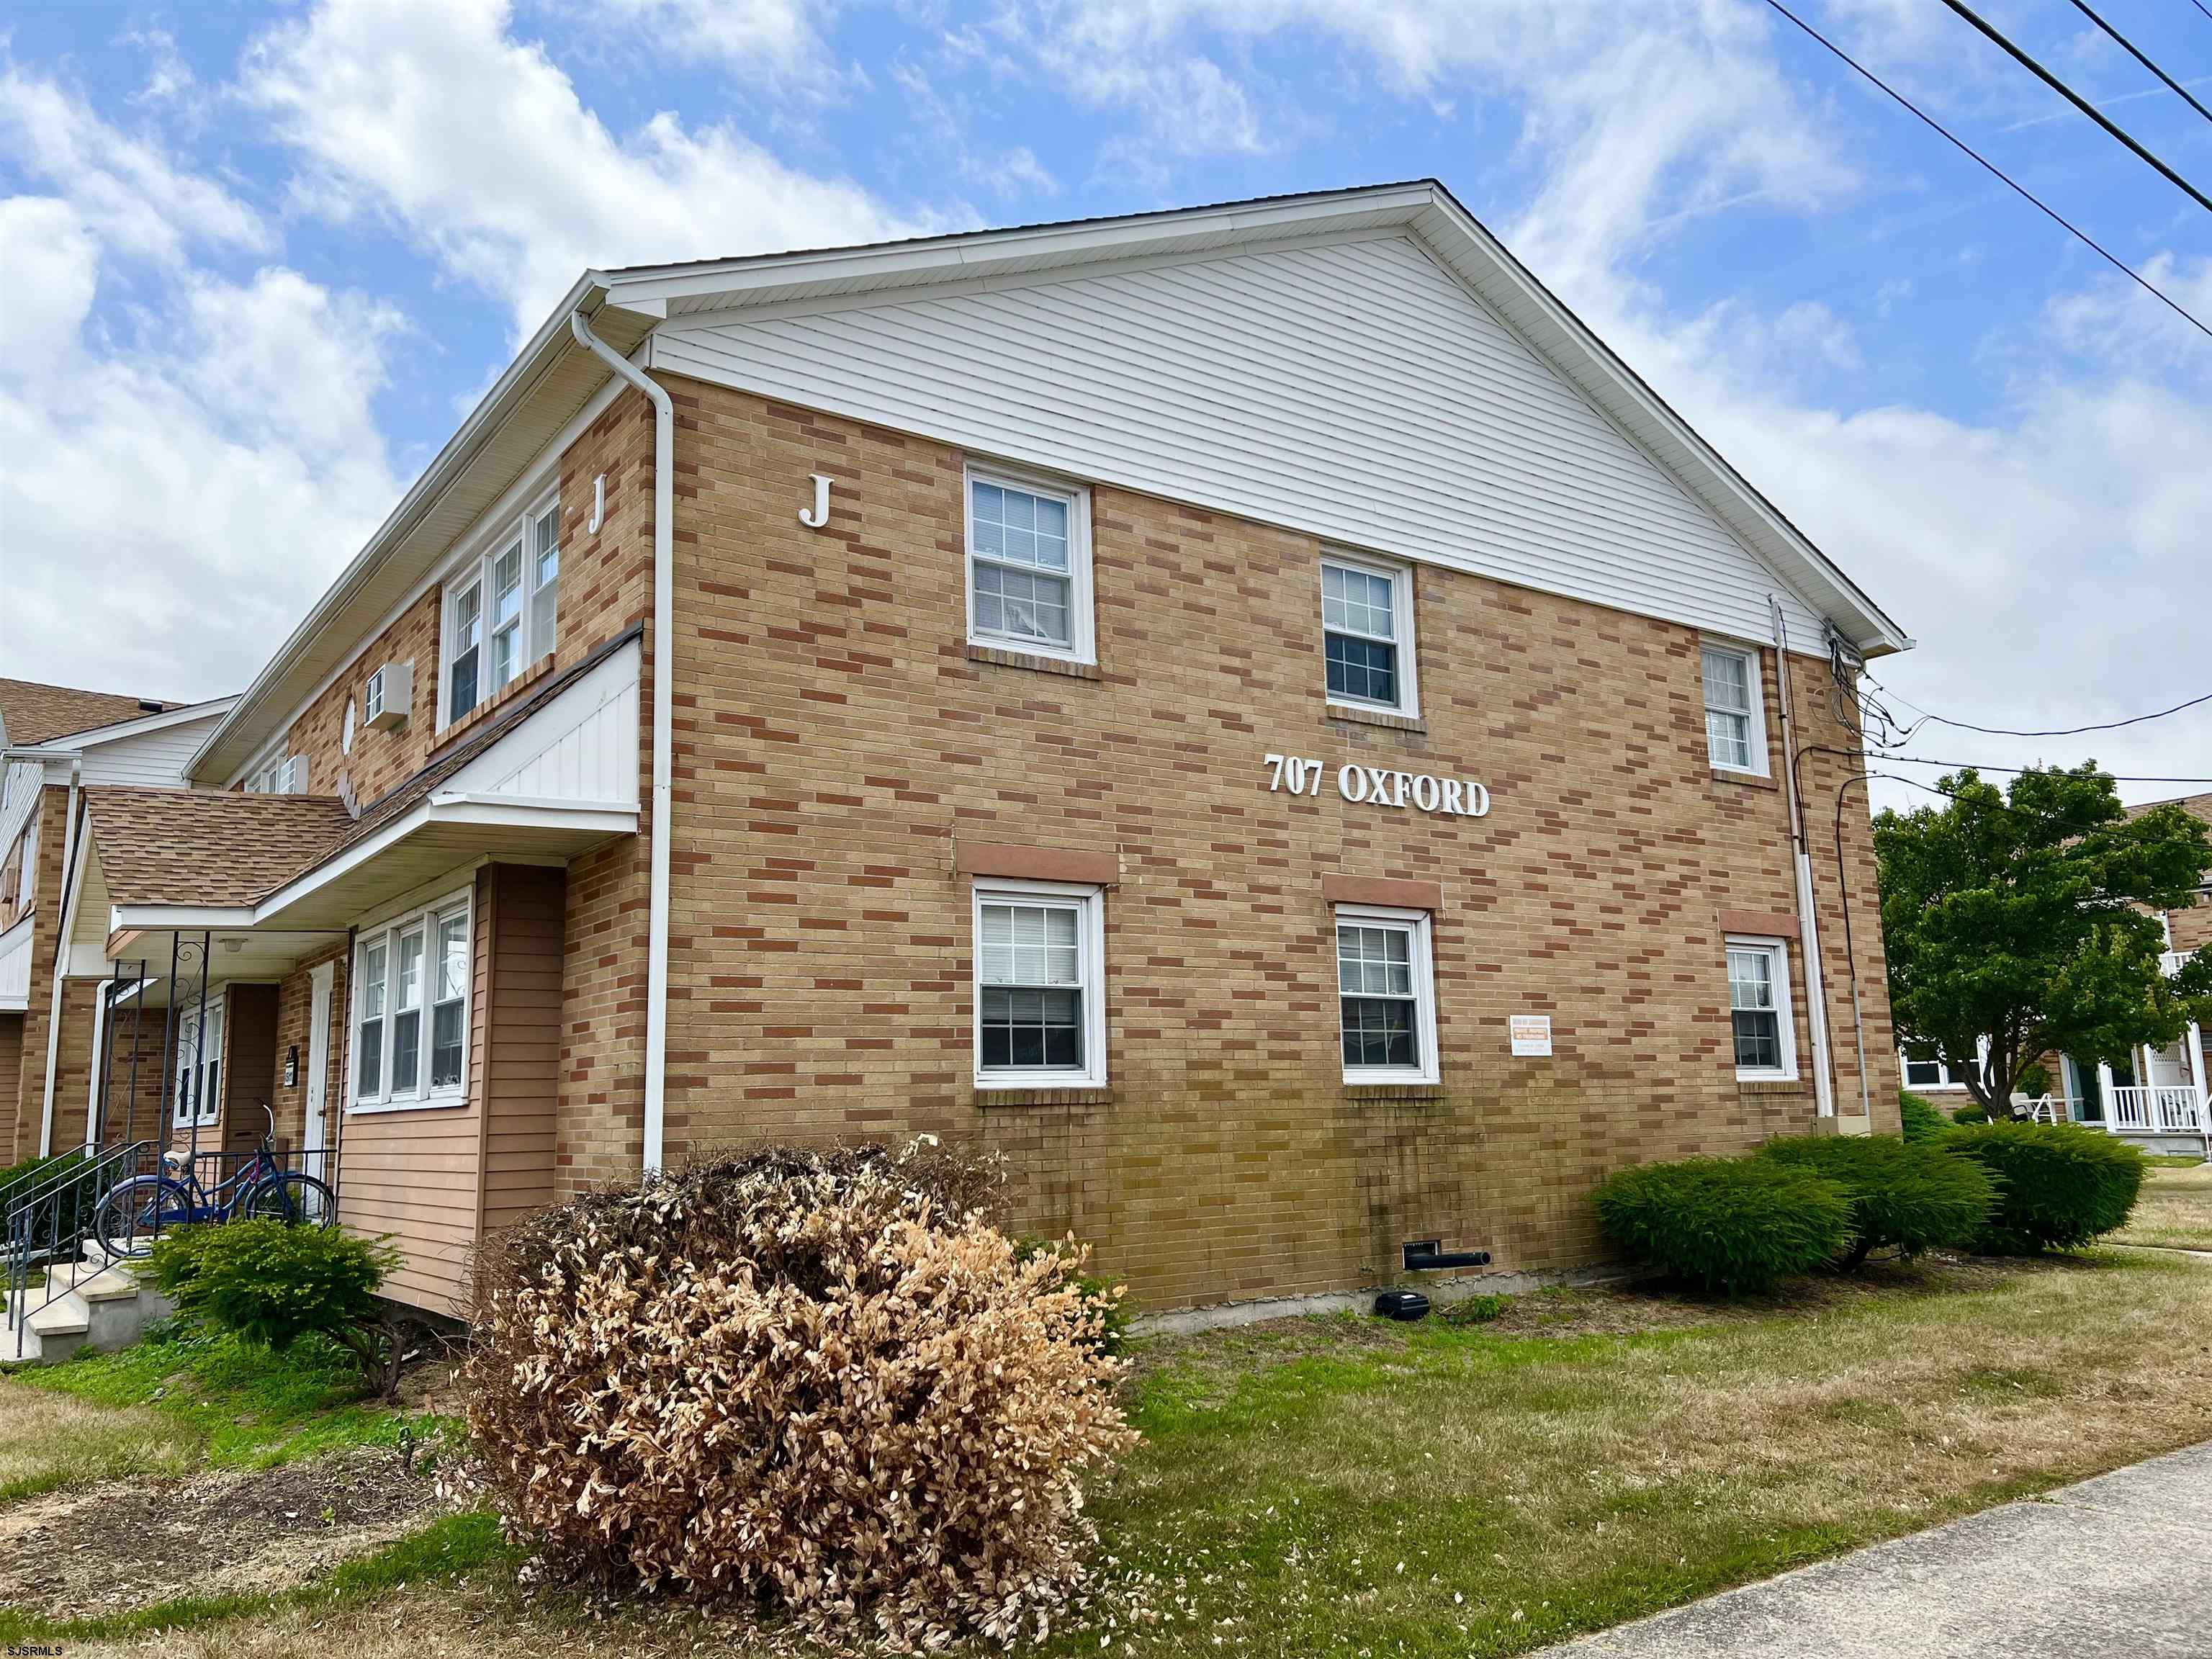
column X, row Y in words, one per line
column 2175, row 1210
column 1331, row 1485
column 169, row 1407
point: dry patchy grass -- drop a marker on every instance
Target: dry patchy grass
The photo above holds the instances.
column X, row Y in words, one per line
column 2175, row 1210
column 1323, row 1486
column 49, row 1441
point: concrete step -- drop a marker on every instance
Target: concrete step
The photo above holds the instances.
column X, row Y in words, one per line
column 99, row 1306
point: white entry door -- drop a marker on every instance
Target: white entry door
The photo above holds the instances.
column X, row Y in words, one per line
column 318, row 1059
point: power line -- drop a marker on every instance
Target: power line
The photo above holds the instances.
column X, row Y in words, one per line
column 1984, row 766
column 2201, row 7
column 2132, row 51
column 2080, row 103
column 1998, row 173
column 1927, row 719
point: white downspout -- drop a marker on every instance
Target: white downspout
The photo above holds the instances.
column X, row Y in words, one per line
column 96, row 1076
column 65, row 924
column 1808, row 929
column 663, row 720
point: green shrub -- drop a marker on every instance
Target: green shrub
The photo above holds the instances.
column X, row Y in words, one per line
column 1920, row 1121
column 1726, row 1224
column 271, row 1284
column 1475, row 1309
column 1905, row 1195
column 1971, row 1112
column 2035, row 1082
column 59, row 1214
column 1106, row 1302
column 2059, row 1185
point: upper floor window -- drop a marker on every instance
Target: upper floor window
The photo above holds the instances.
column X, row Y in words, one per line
column 1386, row 995
column 1759, row 1009
column 1040, row 999
column 410, row 1007
column 502, row 609
column 1736, row 725
column 279, row 774
column 1029, row 566
column 1367, row 633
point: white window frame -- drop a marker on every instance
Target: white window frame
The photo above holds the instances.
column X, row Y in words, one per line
column 1083, row 646
column 1401, row 577
column 1951, row 1083
column 387, row 931
column 202, row 1114
column 1786, row 1007
column 278, row 774
column 1420, row 924
column 1090, row 941
column 476, row 571
column 1749, row 656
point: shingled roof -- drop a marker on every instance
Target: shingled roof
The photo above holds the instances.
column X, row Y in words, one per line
column 208, row 846
column 31, row 713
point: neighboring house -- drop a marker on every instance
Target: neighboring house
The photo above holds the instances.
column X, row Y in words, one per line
column 2157, row 1095
column 55, row 742
column 1254, row 711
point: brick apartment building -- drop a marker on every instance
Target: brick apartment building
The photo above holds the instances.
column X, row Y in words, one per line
column 54, row 742
column 1253, row 710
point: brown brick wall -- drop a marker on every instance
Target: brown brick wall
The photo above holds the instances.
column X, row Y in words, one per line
column 834, row 738
column 601, row 589
column 21, row 1127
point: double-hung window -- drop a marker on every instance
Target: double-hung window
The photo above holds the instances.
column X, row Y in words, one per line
column 1934, row 1074
column 198, row 1083
column 412, row 978
column 502, row 609
column 1735, row 724
column 1367, row 633
column 1759, row 1017
column 1040, row 1008
column 1386, row 995
column 1029, row 566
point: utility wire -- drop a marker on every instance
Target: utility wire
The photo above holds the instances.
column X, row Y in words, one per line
column 1927, row 719
column 2134, row 51
column 2201, row 7
column 1982, row 766
column 1998, row 173
column 2080, row 102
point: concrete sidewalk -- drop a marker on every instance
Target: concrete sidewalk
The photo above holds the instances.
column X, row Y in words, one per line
column 2119, row 1567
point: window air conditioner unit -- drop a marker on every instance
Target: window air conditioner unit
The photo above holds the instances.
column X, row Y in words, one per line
column 389, row 697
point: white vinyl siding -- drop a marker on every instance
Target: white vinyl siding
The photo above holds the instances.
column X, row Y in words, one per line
column 1353, row 389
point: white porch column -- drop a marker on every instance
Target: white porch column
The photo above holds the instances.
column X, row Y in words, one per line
column 2111, row 1106
column 2196, row 1077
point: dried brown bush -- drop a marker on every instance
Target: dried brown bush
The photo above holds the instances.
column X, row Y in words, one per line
column 823, row 1380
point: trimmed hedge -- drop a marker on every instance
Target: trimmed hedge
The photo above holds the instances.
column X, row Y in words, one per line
column 1910, row 1196
column 2059, row 1185
column 1919, row 1120
column 1726, row 1223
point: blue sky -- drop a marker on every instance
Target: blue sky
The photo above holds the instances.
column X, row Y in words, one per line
column 262, row 258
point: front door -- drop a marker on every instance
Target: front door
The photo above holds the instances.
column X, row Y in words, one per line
column 2089, row 1098
column 319, row 1063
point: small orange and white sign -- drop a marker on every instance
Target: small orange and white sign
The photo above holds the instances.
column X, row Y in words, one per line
column 1531, row 1033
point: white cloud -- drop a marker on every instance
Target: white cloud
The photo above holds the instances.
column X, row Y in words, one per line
column 125, row 188
column 777, row 42
column 477, row 147
column 194, row 482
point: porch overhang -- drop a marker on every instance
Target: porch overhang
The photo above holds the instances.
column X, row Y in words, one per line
column 444, row 832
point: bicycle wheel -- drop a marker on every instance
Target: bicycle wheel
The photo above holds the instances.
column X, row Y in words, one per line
column 135, row 1212
column 296, row 1200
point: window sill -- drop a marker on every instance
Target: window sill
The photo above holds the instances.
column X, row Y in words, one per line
column 1753, row 779
column 1382, row 717
column 383, row 1108
column 1770, row 1085
column 1044, row 665
column 457, row 730
column 1395, row 1091
column 1079, row 1095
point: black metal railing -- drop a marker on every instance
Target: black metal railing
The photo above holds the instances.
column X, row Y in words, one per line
column 48, row 1222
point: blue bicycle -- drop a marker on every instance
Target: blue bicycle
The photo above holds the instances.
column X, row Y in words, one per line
column 135, row 1213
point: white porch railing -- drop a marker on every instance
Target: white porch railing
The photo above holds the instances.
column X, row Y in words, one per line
column 2159, row 1109
column 2170, row 962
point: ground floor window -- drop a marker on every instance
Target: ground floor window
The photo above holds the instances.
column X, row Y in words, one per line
column 1040, row 1008
column 1386, row 996
column 1759, row 1009
column 410, row 1007
column 198, row 1083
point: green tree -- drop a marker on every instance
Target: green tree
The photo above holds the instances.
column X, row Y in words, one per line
column 2023, row 919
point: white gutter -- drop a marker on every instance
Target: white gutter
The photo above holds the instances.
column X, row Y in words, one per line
column 1808, row 928
column 664, row 721
column 65, row 920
